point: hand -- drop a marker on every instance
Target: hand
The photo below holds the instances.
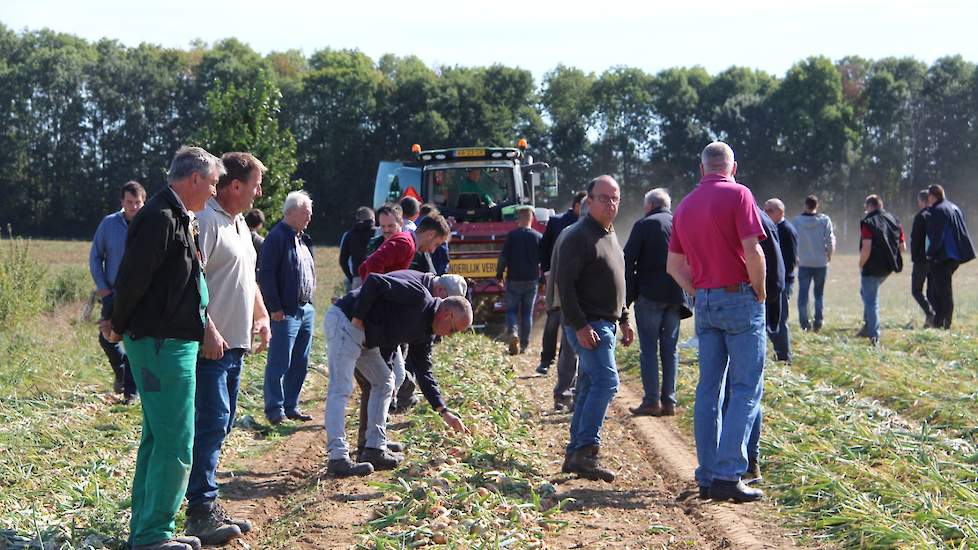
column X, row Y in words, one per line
column 103, row 292
column 587, row 338
column 454, row 421
column 214, row 343
column 105, row 327
column 627, row 334
column 761, row 294
column 278, row 315
column 357, row 323
column 261, row 329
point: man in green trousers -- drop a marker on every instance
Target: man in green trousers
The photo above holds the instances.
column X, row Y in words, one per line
column 161, row 312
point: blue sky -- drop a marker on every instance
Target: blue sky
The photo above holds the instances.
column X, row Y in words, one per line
column 537, row 35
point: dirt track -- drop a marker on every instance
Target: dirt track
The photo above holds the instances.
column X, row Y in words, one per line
column 652, row 503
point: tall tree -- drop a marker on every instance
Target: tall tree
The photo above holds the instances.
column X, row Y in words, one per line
column 242, row 117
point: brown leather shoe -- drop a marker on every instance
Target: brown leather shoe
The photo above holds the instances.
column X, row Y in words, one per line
column 655, row 409
column 668, row 410
column 585, row 463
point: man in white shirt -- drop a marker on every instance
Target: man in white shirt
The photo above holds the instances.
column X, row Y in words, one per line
column 237, row 312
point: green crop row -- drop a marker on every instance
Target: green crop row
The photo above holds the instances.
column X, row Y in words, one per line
column 480, row 490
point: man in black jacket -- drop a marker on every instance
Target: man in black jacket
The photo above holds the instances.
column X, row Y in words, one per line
column 160, row 308
column 658, row 303
column 353, row 246
column 362, row 329
column 775, row 287
column 519, row 260
column 551, row 330
column 950, row 246
column 788, row 245
column 880, row 253
column 918, row 255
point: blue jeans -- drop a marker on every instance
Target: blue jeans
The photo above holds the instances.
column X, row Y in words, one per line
column 782, row 338
column 216, row 402
column 597, row 384
column 805, row 276
column 754, row 441
column 869, row 289
column 288, row 361
column 730, row 329
column 521, row 296
column 658, row 334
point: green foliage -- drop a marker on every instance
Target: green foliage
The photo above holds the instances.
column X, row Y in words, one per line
column 69, row 285
column 21, row 282
column 244, row 118
column 81, row 118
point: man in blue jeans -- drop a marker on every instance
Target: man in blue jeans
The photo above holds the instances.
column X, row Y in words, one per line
column 715, row 253
column 520, row 261
column 108, row 246
column 236, row 312
column 816, row 243
column 288, row 285
column 590, row 279
column 881, row 245
column 659, row 304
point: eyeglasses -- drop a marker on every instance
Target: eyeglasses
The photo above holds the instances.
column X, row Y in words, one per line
column 607, row 199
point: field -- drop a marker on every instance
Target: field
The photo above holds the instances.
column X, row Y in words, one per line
column 861, row 447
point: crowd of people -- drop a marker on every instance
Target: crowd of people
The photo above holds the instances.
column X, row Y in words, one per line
column 189, row 287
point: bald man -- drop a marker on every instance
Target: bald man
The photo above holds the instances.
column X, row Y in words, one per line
column 715, row 254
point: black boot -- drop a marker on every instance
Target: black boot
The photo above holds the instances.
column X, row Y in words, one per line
column 734, row 490
column 207, row 523
column 381, row 459
column 344, row 467
column 243, row 524
column 565, row 468
column 585, row 463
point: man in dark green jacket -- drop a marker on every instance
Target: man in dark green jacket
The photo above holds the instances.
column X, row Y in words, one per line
column 160, row 311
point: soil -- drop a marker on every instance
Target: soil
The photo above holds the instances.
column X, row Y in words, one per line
column 652, row 504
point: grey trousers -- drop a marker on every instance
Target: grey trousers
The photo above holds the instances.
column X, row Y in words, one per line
column 345, row 353
column 566, row 368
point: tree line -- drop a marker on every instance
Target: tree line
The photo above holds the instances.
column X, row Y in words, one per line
column 80, row 118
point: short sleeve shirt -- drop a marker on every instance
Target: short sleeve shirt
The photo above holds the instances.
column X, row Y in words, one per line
column 708, row 227
column 228, row 256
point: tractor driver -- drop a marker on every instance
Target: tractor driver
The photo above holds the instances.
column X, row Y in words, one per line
column 474, row 183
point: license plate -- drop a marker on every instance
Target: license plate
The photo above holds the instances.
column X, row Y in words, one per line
column 470, row 153
column 474, row 268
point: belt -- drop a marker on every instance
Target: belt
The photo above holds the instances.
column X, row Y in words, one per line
column 733, row 288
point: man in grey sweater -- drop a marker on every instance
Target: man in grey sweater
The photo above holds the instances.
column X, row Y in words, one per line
column 590, row 278
column 816, row 243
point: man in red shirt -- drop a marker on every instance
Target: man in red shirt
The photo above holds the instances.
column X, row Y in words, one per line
column 397, row 252
column 714, row 253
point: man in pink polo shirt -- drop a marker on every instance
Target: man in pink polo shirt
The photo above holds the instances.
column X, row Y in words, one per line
column 714, row 253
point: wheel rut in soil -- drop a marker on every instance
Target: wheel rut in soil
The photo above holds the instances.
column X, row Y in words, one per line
column 652, row 503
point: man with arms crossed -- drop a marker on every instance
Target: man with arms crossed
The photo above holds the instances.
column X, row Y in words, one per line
column 714, row 253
